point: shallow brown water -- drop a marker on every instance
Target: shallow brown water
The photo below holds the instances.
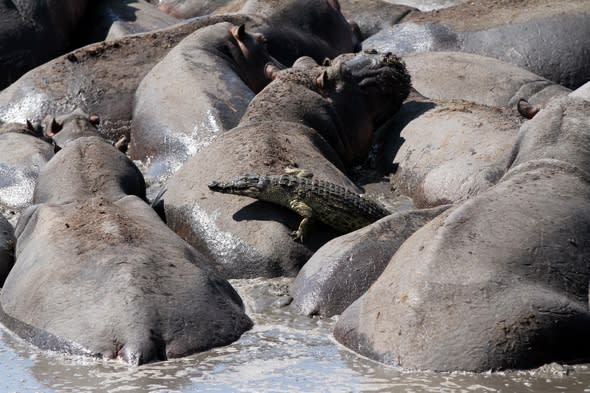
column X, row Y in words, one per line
column 284, row 352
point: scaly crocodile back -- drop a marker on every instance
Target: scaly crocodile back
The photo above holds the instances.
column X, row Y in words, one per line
column 334, row 205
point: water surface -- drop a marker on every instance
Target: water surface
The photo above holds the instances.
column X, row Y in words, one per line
column 284, row 352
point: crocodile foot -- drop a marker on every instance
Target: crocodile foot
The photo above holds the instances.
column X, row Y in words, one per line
column 299, row 172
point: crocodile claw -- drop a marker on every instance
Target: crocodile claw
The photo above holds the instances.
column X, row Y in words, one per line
column 297, row 236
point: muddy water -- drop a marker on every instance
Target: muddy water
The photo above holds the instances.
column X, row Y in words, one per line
column 284, row 352
column 428, row 5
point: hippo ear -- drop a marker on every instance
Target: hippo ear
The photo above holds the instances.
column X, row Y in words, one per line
column 54, row 127
column 327, row 62
column 93, row 119
column 239, row 32
column 30, row 126
column 322, row 80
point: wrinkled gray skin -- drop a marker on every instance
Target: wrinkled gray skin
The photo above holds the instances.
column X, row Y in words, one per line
column 7, row 244
column 501, row 280
column 111, row 19
column 289, row 124
column 296, row 28
column 99, row 78
column 99, row 274
column 22, row 155
column 345, row 267
column 373, row 15
column 479, row 79
column 183, row 9
column 448, row 151
column 34, row 31
column 200, row 89
column 548, row 37
column 582, row 92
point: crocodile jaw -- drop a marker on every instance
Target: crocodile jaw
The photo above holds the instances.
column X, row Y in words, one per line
column 247, row 186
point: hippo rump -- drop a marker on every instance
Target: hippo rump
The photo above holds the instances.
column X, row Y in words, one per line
column 344, row 268
column 22, row 155
column 500, row 280
column 478, row 79
column 34, row 31
column 98, row 273
column 319, row 118
column 201, row 88
column 373, row 15
column 111, row 19
column 7, row 243
column 547, row 37
column 183, row 9
column 448, row 151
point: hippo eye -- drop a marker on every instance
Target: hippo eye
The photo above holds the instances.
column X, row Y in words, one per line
column 262, row 39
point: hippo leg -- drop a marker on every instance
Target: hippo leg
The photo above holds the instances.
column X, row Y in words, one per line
column 305, row 211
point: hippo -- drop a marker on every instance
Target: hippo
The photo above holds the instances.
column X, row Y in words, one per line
column 371, row 16
column 344, row 268
column 23, row 152
column 99, row 78
column 201, row 88
column 318, row 118
column 449, row 150
column 7, row 244
column 500, row 280
column 111, row 19
column 479, row 79
column 183, row 9
column 548, row 37
column 35, row 31
column 296, row 28
column 68, row 127
column 98, row 274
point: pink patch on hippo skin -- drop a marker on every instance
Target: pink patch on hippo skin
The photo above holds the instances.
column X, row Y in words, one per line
column 168, row 9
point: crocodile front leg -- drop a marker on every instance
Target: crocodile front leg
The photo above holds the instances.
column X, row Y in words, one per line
column 307, row 213
column 298, row 172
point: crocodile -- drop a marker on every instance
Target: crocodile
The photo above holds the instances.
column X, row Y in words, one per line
column 334, row 205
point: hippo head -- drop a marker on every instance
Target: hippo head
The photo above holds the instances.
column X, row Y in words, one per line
column 254, row 58
column 383, row 80
column 344, row 100
column 69, row 127
column 366, row 90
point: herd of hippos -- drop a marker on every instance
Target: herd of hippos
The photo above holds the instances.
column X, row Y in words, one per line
column 119, row 118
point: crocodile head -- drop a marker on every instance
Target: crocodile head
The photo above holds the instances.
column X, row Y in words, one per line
column 250, row 186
